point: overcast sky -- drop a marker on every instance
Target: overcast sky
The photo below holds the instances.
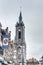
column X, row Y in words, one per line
column 32, row 13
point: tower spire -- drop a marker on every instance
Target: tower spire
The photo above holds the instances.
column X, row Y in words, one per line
column 20, row 17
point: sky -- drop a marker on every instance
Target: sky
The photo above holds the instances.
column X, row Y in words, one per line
column 32, row 14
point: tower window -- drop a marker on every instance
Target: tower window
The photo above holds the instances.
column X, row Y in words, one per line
column 19, row 35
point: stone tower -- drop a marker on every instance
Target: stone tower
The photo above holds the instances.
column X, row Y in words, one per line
column 20, row 41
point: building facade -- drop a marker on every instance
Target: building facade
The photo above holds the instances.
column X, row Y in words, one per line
column 32, row 61
column 20, row 41
column 1, row 50
column 41, row 61
column 4, row 32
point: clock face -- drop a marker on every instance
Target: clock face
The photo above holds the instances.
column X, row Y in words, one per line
column 19, row 29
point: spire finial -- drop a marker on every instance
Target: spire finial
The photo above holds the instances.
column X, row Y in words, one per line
column 20, row 16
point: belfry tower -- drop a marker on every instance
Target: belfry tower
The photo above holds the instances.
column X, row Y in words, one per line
column 20, row 41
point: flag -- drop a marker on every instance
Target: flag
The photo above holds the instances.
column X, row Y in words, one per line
column 5, row 41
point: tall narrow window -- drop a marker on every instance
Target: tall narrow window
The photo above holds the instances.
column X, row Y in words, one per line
column 19, row 35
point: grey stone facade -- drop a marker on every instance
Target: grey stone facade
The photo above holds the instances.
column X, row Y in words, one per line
column 20, row 41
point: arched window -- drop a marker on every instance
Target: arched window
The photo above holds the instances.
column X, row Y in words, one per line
column 19, row 34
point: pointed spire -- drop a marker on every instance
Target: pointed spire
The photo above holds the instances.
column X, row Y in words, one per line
column 20, row 17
